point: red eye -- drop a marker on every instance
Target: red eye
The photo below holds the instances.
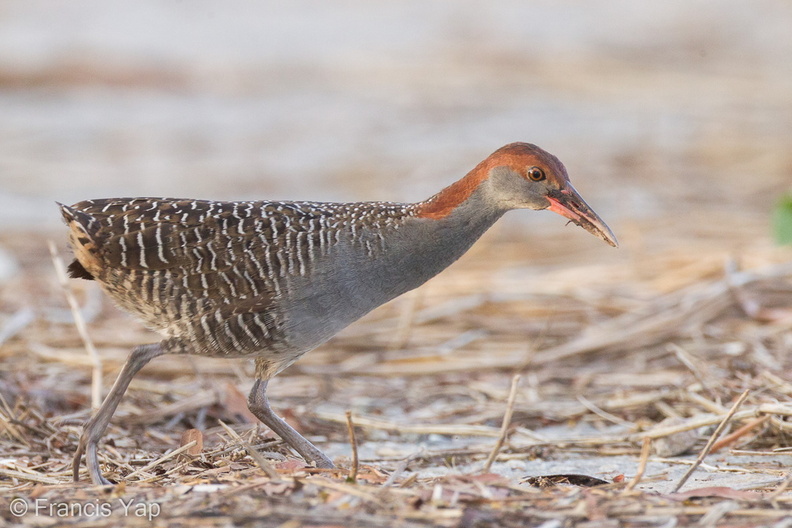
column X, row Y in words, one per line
column 536, row 174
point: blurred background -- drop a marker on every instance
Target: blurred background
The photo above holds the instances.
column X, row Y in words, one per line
column 672, row 118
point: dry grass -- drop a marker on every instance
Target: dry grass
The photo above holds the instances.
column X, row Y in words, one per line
column 612, row 351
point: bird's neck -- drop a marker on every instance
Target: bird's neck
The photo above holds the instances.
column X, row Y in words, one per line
column 458, row 196
column 451, row 229
column 378, row 263
column 429, row 243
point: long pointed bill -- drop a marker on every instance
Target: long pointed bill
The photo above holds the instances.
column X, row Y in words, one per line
column 568, row 203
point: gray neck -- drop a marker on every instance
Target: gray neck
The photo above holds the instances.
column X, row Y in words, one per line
column 407, row 256
column 422, row 248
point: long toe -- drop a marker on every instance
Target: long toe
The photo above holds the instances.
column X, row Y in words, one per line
column 92, row 458
column 77, row 459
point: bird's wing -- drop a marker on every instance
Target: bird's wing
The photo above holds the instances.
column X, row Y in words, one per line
column 216, row 259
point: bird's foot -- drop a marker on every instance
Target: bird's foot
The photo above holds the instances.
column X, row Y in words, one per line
column 89, row 447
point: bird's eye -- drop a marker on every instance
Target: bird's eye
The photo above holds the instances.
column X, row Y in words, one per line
column 536, row 174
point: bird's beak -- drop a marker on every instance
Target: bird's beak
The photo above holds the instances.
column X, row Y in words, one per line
column 568, row 203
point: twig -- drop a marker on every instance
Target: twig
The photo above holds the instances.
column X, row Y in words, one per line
column 691, row 423
column 353, row 471
column 507, row 416
column 255, row 455
column 694, row 305
column 686, row 359
column 160, row 460
column 698, row 399
column 781, row 488
column 717, row 512
column 402, row 467
column 711, row 441
column 6, row 421
column 645, row 450
column 82, row 329
column 736, row 435
column 445, row 429
column 591, row 406
column 357, row 491
column 780, row 425
column 31, row 477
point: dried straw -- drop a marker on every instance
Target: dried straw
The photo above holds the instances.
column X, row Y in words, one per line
column 82, row 329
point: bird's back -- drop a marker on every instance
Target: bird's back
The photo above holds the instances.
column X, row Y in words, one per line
column 227, row 278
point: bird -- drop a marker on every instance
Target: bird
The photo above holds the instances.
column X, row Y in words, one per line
column 272, row 280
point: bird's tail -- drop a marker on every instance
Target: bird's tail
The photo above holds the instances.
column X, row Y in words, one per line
column 82, row 220
column 80, row 225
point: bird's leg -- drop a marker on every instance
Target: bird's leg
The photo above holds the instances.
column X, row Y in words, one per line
column 259, row 406
column 96, row 426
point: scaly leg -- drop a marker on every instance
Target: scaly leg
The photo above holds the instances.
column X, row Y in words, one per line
column 95, row 428
column 259, row 406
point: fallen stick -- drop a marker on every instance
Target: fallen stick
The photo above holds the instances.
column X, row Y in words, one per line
column 645, row 450
column 711, row 442
column 255, row 455
column 507, row 416
column 353, row 471
column 739, row 433
column 82, row 329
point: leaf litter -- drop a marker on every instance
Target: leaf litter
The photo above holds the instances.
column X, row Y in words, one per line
column 627, row 368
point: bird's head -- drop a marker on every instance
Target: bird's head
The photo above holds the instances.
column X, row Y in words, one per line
column 522, row 176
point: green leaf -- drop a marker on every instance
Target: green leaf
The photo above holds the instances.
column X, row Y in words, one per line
column 782, row 220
